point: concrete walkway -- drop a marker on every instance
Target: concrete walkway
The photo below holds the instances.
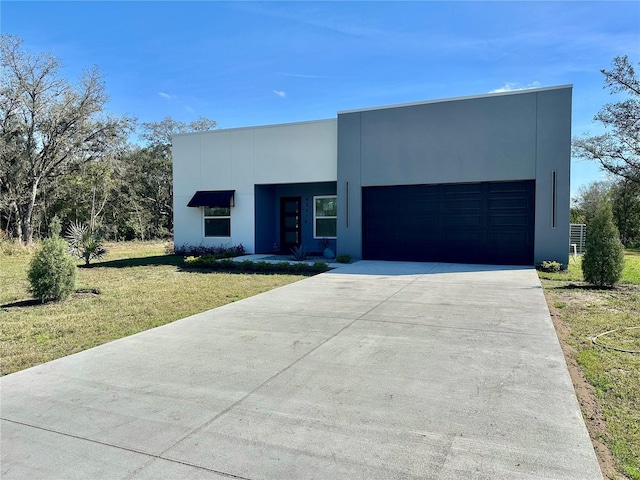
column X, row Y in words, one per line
column 375, row 370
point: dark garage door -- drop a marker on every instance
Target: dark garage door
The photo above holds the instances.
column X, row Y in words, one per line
column 491, row 223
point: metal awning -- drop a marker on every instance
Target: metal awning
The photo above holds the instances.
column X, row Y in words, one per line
column 212, row 198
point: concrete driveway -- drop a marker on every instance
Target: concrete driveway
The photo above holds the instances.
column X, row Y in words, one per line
column 374, row 370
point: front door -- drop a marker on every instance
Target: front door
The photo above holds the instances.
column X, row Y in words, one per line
column 290, row 223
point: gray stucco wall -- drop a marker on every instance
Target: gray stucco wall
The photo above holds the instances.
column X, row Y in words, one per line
column 514, row 136
column 553, row 153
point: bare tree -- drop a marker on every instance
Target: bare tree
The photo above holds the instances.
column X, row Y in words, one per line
column 618, row 149
column 48, row 127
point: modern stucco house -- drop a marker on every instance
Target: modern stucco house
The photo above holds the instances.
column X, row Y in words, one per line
column 482, row 179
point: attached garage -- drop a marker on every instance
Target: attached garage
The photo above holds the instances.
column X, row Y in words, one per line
column 488, row 222
column 481, row 179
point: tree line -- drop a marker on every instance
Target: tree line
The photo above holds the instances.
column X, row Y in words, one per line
column 622, row 196
column 617, row 150
column 63, row 156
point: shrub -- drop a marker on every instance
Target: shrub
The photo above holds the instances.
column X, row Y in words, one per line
column 300, row 268
column 219, row 251
column 261, row 266
column 246, row 265
column 225, row 264
column 343, row 259
column 52, row 273
column 550, row 266
column 603, row 260
column 319, row 267
column 84, row 243
column 283, row 266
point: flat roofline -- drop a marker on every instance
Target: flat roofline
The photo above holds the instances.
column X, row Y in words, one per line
column 455, row 99
column 273, row 125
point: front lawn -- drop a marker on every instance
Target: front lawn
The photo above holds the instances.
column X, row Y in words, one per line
column 612, row 403
column 136, row 287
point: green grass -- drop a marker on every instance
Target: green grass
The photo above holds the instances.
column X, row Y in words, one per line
column 573, row 273
column 588, row 312
column 134, row 288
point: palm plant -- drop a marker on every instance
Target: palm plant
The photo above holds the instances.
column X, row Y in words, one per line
column 84, row 243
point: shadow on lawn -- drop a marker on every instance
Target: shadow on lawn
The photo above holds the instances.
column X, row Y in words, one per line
column 158, row 260
column 587, row 286
column 32, row 302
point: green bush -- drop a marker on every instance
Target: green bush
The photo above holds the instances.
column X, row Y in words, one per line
column 52, row 272
column 550, row 266
column 343, row 259
column 603, row 260
column 246, row 265
column 319, row 267
column 209, row 262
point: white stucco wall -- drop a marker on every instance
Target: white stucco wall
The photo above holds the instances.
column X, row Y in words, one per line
column 239, row 159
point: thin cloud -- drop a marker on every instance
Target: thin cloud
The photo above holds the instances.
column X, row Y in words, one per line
column 513, row 86
column 302, row 75
column 166, row 96
column 280, row 93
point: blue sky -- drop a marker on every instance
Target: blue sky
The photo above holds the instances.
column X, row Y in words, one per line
column 246, row 63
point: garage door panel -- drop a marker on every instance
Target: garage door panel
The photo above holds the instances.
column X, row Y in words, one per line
column 508, row 220
column 462, row 188
column 463, row 204
column 508, row 203
column 489, row 222
column 463, row 221
column 463, row 236
column 508, row 186
column 497, row 239
column 422, row 207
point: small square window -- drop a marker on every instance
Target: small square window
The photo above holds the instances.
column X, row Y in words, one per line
column 217, row 221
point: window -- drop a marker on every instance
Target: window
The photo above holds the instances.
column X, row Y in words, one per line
column 217, row 221
column 325, row 217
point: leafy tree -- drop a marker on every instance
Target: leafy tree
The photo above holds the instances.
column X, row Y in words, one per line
column 590, row 197
column 150, row 168
column 625, row 197
column 52, row 273
column 576, row 215
column 48, row 127
column 160, row 133
column 603, row 260
column 618, row 149
column 83, row 195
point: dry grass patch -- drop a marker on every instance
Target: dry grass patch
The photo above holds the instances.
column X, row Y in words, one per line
column 113, row 301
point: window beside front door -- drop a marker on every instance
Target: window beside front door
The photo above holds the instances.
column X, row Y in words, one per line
column 217, row 221
column 325, row 216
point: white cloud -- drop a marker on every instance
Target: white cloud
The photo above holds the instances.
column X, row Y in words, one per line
column 166, row 96
column 511, row 86
column 302, row 75
column 280, row 93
